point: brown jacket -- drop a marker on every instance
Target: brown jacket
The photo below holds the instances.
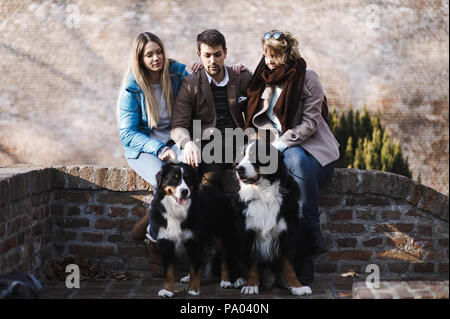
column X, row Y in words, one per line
column 309, row 129
column 195, row 101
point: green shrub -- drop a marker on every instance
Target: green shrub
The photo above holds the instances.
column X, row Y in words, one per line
column 365, row 144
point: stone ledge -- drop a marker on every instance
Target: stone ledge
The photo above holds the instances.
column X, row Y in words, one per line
column 20, row 181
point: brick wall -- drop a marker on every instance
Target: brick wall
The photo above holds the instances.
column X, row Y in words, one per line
column 60, row 80
column 88, row 211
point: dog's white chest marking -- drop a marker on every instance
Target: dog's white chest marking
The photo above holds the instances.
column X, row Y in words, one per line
column 264, row 202
column 175, row 214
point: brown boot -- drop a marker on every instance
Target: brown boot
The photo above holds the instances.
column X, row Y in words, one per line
column 155, row 261
column 140, row 228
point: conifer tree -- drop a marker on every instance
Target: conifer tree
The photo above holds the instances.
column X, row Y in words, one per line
column 365, row 144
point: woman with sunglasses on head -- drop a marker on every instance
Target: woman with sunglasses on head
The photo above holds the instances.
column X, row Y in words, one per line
column 286, row 98
column 144, row 109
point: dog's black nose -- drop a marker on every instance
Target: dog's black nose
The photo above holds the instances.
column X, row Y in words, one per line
column 184, row 193
column 240, row 170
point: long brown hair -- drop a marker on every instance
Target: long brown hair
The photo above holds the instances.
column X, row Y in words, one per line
column 137, row 67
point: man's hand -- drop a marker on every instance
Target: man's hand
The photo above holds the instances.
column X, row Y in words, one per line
column 191, row 154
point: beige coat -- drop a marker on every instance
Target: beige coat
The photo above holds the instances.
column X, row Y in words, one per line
column 195, row 101
column 309, row 129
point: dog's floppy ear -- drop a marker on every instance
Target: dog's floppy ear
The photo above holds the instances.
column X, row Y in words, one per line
column 162, row 172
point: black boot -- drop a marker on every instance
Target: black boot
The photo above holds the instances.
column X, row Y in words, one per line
column 305, row 272
column 319, row 245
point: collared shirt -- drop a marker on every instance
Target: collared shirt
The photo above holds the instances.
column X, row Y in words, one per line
column 224, row 82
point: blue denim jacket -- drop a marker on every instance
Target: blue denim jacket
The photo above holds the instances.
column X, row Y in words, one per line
column 133, row 125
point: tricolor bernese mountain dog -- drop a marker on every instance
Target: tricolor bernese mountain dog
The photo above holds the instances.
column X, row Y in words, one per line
column 187, row 218
column 274, row 235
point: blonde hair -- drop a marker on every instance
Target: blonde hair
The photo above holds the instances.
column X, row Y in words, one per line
column 137, row 67
column 285, row 48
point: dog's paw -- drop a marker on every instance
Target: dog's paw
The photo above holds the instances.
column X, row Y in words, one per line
column 185, row 279
column 300, row 291
column 225, row 284
column 250, row 290
column 239, row 283
column 194, row 292
column 165, row 293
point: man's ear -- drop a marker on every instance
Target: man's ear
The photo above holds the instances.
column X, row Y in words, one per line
column 225, row 53
column 198, row 53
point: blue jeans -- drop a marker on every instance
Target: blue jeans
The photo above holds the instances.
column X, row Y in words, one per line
column 310, row 176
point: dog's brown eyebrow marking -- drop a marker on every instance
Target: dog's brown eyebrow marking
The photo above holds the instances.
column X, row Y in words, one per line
column 169, row 190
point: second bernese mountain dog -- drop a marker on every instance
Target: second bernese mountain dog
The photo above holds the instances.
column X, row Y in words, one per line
column 188, row 217
column 270, row 221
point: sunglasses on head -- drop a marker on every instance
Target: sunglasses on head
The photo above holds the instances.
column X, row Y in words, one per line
column 275, row 35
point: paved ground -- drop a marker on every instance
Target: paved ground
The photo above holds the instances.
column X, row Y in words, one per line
column 324, row 287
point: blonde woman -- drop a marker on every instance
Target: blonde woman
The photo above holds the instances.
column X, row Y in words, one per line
column 286, row 98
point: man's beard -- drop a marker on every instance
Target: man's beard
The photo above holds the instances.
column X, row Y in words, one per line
column 216, row 71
